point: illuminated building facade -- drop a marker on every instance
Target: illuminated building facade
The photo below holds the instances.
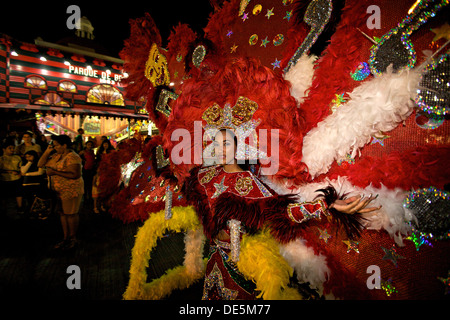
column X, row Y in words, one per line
column 66, row 86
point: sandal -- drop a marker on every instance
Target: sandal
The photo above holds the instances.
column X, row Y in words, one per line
column 61, row 244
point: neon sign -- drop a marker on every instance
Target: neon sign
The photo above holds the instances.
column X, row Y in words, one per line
column 103, row 76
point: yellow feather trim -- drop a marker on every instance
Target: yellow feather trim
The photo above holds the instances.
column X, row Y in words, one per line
column 183, row 219
column 260, row 260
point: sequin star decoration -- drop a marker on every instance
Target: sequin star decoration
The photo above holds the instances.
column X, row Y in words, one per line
column 441, row 32
column 288, row 15
column 245, row 17
column 418, row 239
column 264, row 42
column 269, row 13
column 376, row 40
column 446, row 282
column 379, row 140
column 387, row 287
column 220, row 188
column 233, row 48
column 276, row 64
column 323, row 235
column 351, row 245
column 391, row 254
column 337, row 102
column 229, row 33
column 346, row 161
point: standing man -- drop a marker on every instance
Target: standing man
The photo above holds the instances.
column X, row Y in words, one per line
column 78, row 143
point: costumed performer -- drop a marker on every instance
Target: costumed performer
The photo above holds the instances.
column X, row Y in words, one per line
column 229, row 186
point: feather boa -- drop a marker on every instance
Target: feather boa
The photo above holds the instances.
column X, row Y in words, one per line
column 183, row 218
column 272, row 212
column 376, row 106
column 429, row 163
column 309, row 267
column 392, row 217
column 260, row 260
column 219, row 21
column 345, row 51
column 300, row 76
column 256, row 213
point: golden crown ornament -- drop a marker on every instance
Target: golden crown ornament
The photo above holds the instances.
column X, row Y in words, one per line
column 238, row 119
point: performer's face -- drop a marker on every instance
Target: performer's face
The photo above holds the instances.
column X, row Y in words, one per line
column 225, row 147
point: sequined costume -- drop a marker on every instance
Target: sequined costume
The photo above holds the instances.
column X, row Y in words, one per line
column 214, row 185
column 330, row 99
column 223, row 281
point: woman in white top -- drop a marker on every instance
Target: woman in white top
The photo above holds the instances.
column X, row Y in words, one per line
column 33, row 178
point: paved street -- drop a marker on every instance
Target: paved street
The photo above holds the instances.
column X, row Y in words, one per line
column 31, row 269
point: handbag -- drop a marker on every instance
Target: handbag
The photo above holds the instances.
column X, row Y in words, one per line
column 41, row 207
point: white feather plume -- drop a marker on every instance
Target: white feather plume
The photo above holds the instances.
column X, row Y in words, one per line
column 309, row 267
column 376, row 106
column 193, row 260
column 391, row 217
column 300, row 76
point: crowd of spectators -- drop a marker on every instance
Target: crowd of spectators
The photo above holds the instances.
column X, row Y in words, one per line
column 52, row 174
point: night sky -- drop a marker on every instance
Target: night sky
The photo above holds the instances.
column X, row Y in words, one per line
column 25, row 21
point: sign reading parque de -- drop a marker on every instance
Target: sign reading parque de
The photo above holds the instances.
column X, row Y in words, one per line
column 103, row 76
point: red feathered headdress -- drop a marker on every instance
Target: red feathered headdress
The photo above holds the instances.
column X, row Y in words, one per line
column 246, row 78
column 151, row 68
column 143, row 34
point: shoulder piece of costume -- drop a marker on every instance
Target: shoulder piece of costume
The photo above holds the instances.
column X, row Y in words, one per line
column 221, row 196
